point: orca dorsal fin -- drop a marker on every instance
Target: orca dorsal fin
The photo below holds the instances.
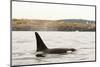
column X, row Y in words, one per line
column 40, row 44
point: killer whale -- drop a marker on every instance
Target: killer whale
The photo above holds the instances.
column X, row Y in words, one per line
column 41, row 47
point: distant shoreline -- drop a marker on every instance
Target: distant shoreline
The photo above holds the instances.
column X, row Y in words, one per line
column 53, row 25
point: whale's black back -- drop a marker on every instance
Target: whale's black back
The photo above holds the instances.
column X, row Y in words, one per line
column 40, row 44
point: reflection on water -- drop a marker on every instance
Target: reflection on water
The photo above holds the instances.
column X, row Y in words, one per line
column 24, row 47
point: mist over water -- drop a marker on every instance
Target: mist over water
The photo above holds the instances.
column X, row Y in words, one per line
column 24, row 47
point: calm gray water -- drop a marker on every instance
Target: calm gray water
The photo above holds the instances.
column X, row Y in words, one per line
column 24, row 47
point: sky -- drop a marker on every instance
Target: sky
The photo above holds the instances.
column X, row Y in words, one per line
column 26, row 10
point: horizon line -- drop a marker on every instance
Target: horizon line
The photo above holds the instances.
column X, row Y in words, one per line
column 52, row 19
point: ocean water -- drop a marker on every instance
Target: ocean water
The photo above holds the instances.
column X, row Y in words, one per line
column 24, row 47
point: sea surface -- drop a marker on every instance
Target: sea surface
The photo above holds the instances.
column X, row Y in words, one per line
column 24, row 47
